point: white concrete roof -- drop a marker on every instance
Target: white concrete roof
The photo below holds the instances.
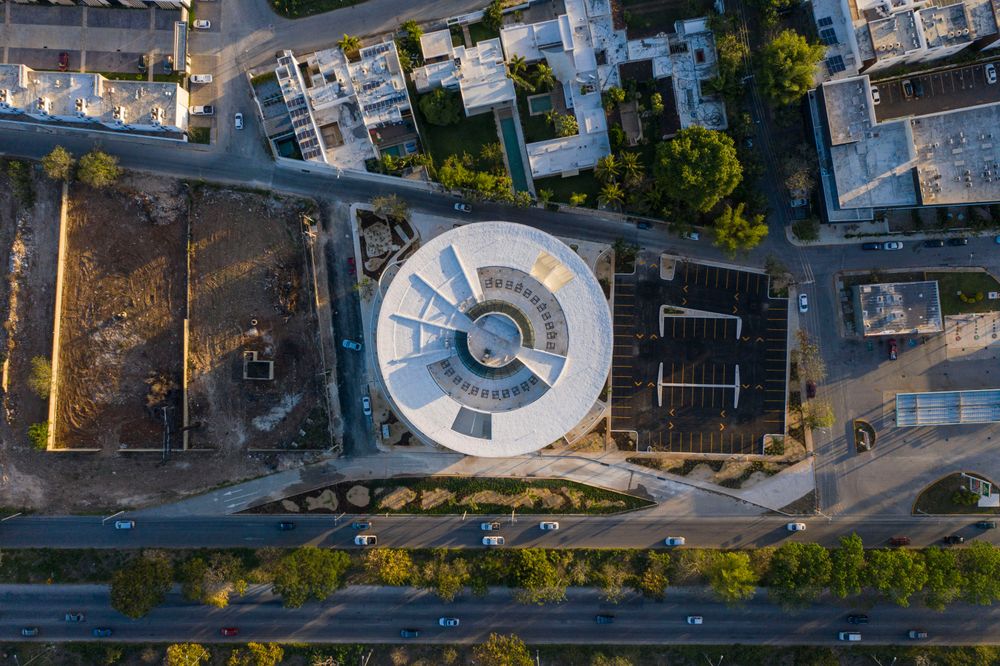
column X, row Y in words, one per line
column 435, row 44
column 494, row 339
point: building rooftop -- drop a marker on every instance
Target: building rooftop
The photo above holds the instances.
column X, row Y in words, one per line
column 958, row 155
column 482, row 75
column 947, row 408
column 895, row 35
column 435, row 44
column 900, row 308
column 946, row 26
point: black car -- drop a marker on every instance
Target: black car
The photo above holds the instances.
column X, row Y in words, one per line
column 871, row 246
column 857, row 619
column 361, row 524
column 953, row 539
column 102, row 632
column 934, row 242
column 918, row 88
column 604, row 619
column 986, row 525
column 409, row 633
column 143, row 62
column 286, row 525
column 907, row 88
column 957, row 242
column 642, row 224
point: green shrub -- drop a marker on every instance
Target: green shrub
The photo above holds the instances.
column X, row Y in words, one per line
column 40, row 379
column 38, row 435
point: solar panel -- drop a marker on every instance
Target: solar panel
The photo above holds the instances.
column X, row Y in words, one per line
column 835, row 64
column 828, row 36
column 826, row 20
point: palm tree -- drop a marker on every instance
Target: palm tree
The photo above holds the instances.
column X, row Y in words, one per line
column 349, row 44
column 631, row 167
column 544, row 77
column 517, row 64
column 611, row 195
column 607, row 169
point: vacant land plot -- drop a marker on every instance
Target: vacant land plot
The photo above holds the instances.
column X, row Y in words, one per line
column 250, row 296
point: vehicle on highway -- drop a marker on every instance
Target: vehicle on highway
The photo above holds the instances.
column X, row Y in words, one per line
column 892, row 245
column 876, row 98
column 124, row 524
column 643, row 224
column 143, row 63
column 953, row 539
column 899, row 541
column 958, row 242
column 796, row 527
column 202, row 24
column 361, row 524
column 871, row 246
column 203, row 110
column 849, row 636
column 286, row 526
column 810, row 389
column 229, row 631
column 691, row 235
column 893, row 350
column 548, row 525
column 916, row 633
column 366, row 405
column 351, row 266
column 409, row 633
column 63, row 61
column 490, row 527
column 695, row 619
column 29, row 632
column 448, row 621
column 365, row 540
column 907, row 89
column 351, row 344
column 463, row 207
column 604, row 619
column 858, row 618
column 493, row 541
column 934, row 242
column 991, row 73
column 986, row 525
column 238, row 121
column 803, row 303
column 673, row 541
column 101, row 632
column 201, row 78
column 74, row 616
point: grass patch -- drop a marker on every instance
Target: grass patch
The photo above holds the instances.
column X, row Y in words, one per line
column 649, row 18
column 469, row 135
column 970, row 284
column 480, row 32
column 200, row 134
column 938, row 498
column 294, row 9
column 536, row 128
column 266, row 77
column 562, row 188
column 175, row 77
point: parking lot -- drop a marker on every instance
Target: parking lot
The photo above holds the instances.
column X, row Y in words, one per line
column 699, row 358
column 942, row 91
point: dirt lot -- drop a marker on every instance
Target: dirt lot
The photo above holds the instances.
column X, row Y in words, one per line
column 250, row 293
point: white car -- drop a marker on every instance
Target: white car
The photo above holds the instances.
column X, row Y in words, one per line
column 124, row 524
column 803, row 303
column 493, row 541
column 365, row 540
column 463, row 208
column 202, row 24
column 691, row 235
column 849, row 636
column 238, row 121
column 991, row 73
column 448, row 621
column 366, row 405
column 490, row 527
column 203, row 110
column 695, row 619
column 351, row 344
column 201, row 78
column 892, row 245
column 876, row 98
column 674, row 541
column 796, row 527
column 548, row 525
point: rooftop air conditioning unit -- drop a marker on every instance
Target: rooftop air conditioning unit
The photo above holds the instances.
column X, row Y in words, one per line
column 120, row 115
column 156, row 115
column 43, row 104
column 3, row 95
column 81, row 107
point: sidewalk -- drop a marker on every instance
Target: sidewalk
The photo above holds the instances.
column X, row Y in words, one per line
column 866, row 232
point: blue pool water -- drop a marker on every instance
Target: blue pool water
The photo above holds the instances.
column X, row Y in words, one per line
column 513, row 148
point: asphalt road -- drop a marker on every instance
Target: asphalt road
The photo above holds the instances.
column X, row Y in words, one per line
column 377, row 614
column 621, row 531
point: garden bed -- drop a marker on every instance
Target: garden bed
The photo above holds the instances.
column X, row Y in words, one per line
column 939, row 498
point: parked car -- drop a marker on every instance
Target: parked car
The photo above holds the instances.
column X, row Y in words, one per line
column 642, row 224
column 810, row 389
column 934, row 242
column 893, row 351
column 201, row 78
column 876, row 98
column 74, row 617
column 691, row 235
column 203, row 110
column 168, row 65
column 796, row 527
column 351, row 344
column 953, row 539
column 493, row 541
column 101, row 632
column 448, row 621
column 803, row 303
column 490, row 526
column 29, row 632
column 365, row 540
column 462, row 207
column 986, row 525
column 673, row 541
column 899, row 541
column 604, row 619
column 958, row 242
column 409, row 633
column 991, row 73
column 801, row 202
column 916, row 633
column 286, row 526
column 871, row 246
column 907, row 89
column 366, row 405
column 548, row 526
column 858, row 618
column 849, row 636
column 143, row 63
column 918, row 88
column 202, row 24
column 351, row 266
column 229, row 631
column 124, row 524
column 695, row 619
column 238, row 121
column 892, row 245
column 63, row 61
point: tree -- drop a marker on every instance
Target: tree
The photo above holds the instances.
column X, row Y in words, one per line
column 493, row 16
column 607, row 169
column 544, row 77
column 787, row 66
column 577, row 199
column 214, row 581
column 656, row 103
column 897, row 574
column 732, row 64
column 441, row 107
column 98, row 169
column 40, row 379
column 545, row 195
column 798, row 572
column 517, row 64
column 818, row 414
column 847, row 566
column 613, row 96
column 413, row 30
column 491, row 157
column 499, row 650
column 697, row 168
column 564, row 123
column 781, row 277
column 58, row 164
column 309, row 573
column 944, row 578
column 807, row 356
column 807, row 230
column 731, row 577
column 653, row 581
column 538, row 578
column 735, row 232
column 389, row 566
column 611, row 195
column 257, row 654
column 632, row 168
column 600, row 659
column 141, row 585
column 391, row 206
column 799, row 174
column 612, row 577
column 186, row 654
column 446, row 578
column 981, row 571
column 349, row 44
column 38, row 435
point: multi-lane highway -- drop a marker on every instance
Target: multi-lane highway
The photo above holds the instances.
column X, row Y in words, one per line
column 378, row 614
column 631, row 530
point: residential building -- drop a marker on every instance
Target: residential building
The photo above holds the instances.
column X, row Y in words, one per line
column 478, row 73
column 87, row 98
column 899, row 308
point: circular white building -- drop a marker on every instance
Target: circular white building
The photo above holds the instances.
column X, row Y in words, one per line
column 494, row 339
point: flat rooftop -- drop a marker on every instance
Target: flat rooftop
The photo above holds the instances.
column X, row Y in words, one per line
column 900, row 308
column 946, row 26
column 958, row 155
column 895, row 35
column 947, row 408
column 435, row 44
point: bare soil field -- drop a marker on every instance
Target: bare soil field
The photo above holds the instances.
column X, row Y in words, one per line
column 251, row 293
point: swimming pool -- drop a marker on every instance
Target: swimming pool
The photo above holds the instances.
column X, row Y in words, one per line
column 513, row 147
column 539, row 104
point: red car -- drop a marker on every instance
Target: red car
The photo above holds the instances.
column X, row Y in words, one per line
column 230, row 631
column 351, row 268
column 899, row 541
column 63, row 61
column 892, row 349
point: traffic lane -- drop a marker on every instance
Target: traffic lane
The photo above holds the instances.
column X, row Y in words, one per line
column 631, row 530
